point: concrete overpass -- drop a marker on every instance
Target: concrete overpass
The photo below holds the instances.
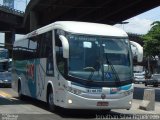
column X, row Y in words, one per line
column 11, row 19
column 43, row 12
column 10, row 23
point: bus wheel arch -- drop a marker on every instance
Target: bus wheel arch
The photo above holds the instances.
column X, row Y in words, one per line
column 50, row 98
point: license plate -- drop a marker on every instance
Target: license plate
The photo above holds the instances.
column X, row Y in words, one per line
column 94, row 90
column 102, row 103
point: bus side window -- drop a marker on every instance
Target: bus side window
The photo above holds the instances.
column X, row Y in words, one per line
column 33, row 49
column 41, row 45
column 50, row 70
column 49, row 54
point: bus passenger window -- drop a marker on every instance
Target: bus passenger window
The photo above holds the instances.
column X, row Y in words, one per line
column 50, row 70
column 49, row 54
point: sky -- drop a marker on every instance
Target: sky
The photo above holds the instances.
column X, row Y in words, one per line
column 140, row 24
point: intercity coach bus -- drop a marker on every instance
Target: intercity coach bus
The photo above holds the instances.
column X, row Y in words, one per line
column 75, row 65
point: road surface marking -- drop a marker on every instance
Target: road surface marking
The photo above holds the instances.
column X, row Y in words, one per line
column 14, row 99
column 5, row 95
column 8, row 96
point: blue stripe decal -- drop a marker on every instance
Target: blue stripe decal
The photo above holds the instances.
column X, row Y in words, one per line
column 28, row 69
column 118, row 89
column 126, row 87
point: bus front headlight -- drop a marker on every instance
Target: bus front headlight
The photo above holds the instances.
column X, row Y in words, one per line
column 128, row 92
column 70, row 101
column 73, row 90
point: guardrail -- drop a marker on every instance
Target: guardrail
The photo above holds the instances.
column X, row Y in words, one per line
column 11, row 10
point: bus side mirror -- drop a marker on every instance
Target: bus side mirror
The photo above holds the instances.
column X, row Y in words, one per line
column 65, row 46
column 139, row 50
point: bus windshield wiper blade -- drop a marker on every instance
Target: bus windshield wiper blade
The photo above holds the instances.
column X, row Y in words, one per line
column 113, row 69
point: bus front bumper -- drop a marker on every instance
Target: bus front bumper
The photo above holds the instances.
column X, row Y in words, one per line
column 73, row 101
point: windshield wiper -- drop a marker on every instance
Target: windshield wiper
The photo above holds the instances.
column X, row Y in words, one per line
column 113, row 69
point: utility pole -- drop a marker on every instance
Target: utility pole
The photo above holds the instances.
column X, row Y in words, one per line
column 149, row 69
column 122, row 23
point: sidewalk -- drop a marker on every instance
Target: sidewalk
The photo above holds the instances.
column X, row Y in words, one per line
column 135, row 108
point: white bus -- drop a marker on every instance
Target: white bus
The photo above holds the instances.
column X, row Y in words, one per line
column 75, row 65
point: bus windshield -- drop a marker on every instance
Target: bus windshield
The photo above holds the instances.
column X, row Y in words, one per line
column 97, row 58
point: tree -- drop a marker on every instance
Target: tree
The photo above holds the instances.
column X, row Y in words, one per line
column 152, row 42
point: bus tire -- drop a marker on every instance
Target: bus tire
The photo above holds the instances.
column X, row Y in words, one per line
column 155, row 85
column 50, row 100
column 105, row 110
column 108, row 110
column 145, row 84
column 20, row 91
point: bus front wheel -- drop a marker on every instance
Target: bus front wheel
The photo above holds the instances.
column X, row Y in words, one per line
column 50, row 101
column 20, row 91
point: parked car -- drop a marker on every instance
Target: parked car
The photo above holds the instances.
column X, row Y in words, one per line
column 155, row 80
column 5, row 79
column 139, row 77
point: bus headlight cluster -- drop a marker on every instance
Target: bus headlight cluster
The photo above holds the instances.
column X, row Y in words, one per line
column 73, row 90
column 128, row 92
column 5, row 81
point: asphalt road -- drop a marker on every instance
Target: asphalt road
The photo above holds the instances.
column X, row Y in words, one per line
column 29, row 109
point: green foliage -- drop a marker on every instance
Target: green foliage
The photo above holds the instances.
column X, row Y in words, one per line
column 152, row 40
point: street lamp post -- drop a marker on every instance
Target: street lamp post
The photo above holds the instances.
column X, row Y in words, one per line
column 122, row 23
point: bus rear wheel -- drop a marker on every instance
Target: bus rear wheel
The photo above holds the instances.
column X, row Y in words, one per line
column 20, row 91
column 50, row 101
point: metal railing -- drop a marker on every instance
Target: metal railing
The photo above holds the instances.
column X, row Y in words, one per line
column 11, row 10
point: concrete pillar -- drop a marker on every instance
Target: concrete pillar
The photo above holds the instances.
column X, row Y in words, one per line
column 9, row 40
column 33, row 21
column 148, row 102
